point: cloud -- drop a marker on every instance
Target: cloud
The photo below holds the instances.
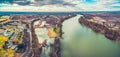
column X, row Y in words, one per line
column 43, row 5
column 98, row 5
column 45, row 8
column 36, row 2
column 65, row 5
column 115, row 5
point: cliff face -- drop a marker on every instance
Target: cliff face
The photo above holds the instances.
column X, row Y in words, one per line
column 106, row 25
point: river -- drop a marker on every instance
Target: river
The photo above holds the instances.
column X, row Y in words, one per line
column 80, row 41
column 42, row 34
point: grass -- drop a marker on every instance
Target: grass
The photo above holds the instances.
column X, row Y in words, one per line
column 54, row 32
column 3, row 52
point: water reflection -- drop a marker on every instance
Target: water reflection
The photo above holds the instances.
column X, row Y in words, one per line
column 80, row 41
column 42, row 34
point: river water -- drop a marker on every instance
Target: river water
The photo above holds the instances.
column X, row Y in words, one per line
column 80, row 41
column 42, row 34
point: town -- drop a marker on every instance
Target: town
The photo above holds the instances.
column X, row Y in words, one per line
column 19, row 39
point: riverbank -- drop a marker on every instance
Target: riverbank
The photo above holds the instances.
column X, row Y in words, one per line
column 108, row 25
column 81, row 41
column 57, row 45
column 51, row 27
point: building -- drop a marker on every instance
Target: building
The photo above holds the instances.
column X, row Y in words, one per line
column 6, row 33
column 1, row 30
column 1, row 26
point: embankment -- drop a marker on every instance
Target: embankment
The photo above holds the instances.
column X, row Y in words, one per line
column 99, row 25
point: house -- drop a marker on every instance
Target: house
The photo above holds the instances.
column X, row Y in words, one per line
column 6, row 33
column 1, row 30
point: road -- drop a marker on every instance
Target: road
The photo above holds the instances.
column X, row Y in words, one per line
column 29, row 41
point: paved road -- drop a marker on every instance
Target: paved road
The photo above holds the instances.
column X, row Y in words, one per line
column 29, row 41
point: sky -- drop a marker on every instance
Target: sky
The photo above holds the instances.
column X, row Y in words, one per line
column 59, row 5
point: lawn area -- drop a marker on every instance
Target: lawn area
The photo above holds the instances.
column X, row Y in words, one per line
column 3, row 52
column 54, row 32
column 2, row 40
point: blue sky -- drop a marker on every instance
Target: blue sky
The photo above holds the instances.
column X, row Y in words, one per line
column 62, row 5
column 90, row 1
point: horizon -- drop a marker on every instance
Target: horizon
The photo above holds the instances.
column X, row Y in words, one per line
column 80, row 12
column 60, row 11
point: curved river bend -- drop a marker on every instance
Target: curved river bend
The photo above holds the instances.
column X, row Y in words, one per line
column 80, row 41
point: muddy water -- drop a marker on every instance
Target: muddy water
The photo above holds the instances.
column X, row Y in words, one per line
column 80, row 41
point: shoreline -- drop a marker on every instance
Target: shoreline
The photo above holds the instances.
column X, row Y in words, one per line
column 57, row 48
column 103, row 27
